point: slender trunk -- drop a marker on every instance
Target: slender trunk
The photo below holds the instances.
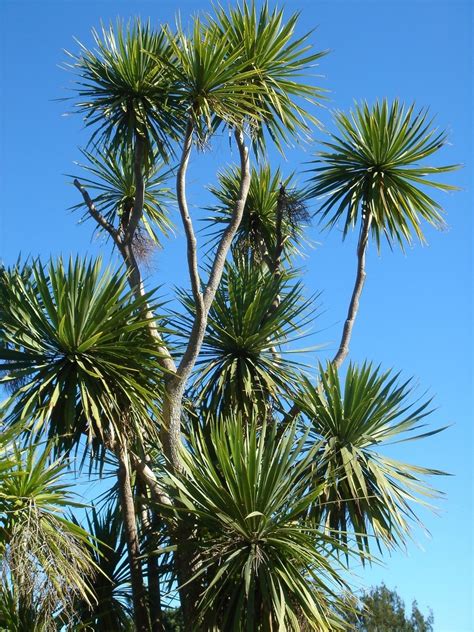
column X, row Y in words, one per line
column 153, row 571
column 356, row 292
column 343, row 349
column 140, row 613
column 154, row 587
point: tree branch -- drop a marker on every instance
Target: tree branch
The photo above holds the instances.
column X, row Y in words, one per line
column 356, row 293
column 197, row 333
column 172, row 405
column 148, row 477
column 187, row 221
column 228, row 235
column 343, row 349
column 133, row 272
column 99, row 218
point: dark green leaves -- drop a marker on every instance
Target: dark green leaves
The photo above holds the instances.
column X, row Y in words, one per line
column 243, row 363
column 256, row 237
column 260, row 565
column 372, row 165
column 241, row 67
column 78, row 347
column 277, row 61
column 110, row 586
column 124, row 88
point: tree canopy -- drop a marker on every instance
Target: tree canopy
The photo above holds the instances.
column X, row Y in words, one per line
column 245, row 481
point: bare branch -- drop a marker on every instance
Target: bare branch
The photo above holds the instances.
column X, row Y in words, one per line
column 187, row 221
column 172, row 404
column 148, row 477
column 343, row 349
column 356, row 293
column 199, row 325
column 99, row 218
column 228, row 235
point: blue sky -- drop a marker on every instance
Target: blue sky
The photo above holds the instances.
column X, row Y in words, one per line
column 416, row 312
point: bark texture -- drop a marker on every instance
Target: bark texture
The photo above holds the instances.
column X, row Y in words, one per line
column 140, row 612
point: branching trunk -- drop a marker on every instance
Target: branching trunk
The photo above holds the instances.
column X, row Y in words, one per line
column 140, row 612
column 176, row 384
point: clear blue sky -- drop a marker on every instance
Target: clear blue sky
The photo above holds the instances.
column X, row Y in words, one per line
column 416, row 312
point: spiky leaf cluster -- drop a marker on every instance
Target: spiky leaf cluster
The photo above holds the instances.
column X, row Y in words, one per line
column 372, row 165
column 243, row 363
column 366, row 493
column 261, row 566
column 80, row 344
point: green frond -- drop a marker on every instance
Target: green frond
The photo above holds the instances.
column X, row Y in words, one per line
column 80, row 345
column 366, row 493
column 243, row 362
column 277, row 61
column 123, row 88
column 111, row 608
column 246, row 491
column 46, row 559
column 373, row 164
column 256, row 236
column 111, row 181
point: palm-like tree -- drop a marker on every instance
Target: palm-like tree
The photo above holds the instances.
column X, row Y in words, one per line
column 46, row 559
column 370, row 172
column 261, row 567
column 366, row 493
column 111, row 176
column 81, row 346
column 273, row 220
column 122, row 91
column 243, row 365
column 258, row 518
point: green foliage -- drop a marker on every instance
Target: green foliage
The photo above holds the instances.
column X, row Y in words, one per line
column 382, row 610
column 123, row 91
column 45, row 557
column 365, row 491
column 210, row 79
column 260, row 564
column 372, row 166
column 111, row 607
column 241, row 67
column 276, row 61
column 242, row 365
column 111, row 174
column 278, row 474
column 256, row 237
column 80, row 345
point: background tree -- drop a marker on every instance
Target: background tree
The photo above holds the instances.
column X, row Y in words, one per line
column 382, row 610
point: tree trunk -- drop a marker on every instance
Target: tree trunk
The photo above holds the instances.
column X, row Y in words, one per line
column 343, row 349
column 140, row 612
column 149, row 525
column 356, row 292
